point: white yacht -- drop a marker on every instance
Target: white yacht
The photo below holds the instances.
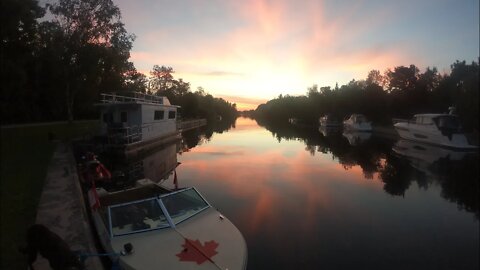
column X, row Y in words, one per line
column 439, row 129
column 151, row 227
column 357, row 122
column 136, row 119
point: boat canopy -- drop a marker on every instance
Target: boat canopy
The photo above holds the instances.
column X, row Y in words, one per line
column 164, row 211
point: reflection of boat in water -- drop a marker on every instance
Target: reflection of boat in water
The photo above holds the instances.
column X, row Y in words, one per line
column 160, row 164
column 438, row 129
column 329, row 120
column 329, row 131
column 356, row 137
column 357, row 122
column 148, row 226
column 422, row 156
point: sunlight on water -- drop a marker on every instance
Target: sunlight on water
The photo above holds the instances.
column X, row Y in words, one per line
column 327, row 204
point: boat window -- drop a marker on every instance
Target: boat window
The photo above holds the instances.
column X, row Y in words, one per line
column 137, row 217
column 184, row 204
column 171, row 114
column 158, row 115
column 123, row 117
column 427, row 121
column 450, row 122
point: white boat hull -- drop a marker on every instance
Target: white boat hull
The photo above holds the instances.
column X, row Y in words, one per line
column 431, row 135
column 207, row 240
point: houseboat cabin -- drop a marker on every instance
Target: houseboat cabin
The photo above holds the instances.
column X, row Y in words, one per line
column 136, row 117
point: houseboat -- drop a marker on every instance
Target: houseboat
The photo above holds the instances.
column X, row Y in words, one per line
column 438, row 129
column 136, row 121
column 357, row 122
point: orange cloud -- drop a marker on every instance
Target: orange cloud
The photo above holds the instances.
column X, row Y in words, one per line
column 275, row 47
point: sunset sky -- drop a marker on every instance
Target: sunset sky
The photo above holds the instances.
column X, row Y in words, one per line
column 250, row 51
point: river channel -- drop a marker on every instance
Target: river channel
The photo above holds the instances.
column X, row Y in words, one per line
column 323, row 199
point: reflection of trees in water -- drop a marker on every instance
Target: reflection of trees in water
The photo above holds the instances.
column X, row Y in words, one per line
column 460, row 183
column 198, row 136
column 396, row 174
column 459, row 179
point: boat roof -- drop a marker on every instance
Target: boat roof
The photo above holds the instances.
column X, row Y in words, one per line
column 133, row 98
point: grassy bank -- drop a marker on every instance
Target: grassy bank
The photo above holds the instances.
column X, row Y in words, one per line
column 25, row 155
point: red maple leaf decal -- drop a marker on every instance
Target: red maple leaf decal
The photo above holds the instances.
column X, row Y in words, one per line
column 194, row 251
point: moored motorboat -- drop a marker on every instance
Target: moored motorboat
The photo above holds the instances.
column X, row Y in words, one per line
column 134, row 122
column 357, row 122
column 150, row 227
column 439, row 129
column 329, row 120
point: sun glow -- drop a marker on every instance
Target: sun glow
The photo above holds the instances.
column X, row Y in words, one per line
column 259, row 48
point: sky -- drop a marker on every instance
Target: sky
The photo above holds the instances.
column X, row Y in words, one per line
column 251, row 51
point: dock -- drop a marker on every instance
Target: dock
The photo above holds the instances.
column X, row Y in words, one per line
column 62, row 208
column 190, row 124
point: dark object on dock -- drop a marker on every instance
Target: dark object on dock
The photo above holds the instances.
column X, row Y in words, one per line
column 52, row 247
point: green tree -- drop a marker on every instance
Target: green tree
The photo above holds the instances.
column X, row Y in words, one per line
column 136, row 81
column 402, row 78
column 18, row 59
column 463, row 83
column 95, row 49
column 162, row 78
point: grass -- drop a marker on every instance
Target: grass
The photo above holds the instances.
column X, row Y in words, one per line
column 25, row 155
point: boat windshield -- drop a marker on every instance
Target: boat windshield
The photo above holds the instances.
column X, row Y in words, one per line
column 147, row 215
column 184, row 204
column 136, row 217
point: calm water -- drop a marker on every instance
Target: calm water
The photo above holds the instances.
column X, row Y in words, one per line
column 305, row 199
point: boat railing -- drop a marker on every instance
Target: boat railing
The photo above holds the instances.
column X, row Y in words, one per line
column 131, row 97
column 124, row 135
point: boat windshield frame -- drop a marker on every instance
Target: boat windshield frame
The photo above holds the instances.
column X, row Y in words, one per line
column 171, row 221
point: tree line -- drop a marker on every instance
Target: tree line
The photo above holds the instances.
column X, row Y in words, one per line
column 397, row 93
column 57, row 59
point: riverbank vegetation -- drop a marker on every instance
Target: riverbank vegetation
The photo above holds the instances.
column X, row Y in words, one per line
column 397, row 93
column 57, row 59
column 25, row 154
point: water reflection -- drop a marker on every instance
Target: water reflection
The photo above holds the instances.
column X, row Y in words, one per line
column 329, row 131
column 356, row 137
column 456, row 171
column 396, row 163
column 308, row 200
